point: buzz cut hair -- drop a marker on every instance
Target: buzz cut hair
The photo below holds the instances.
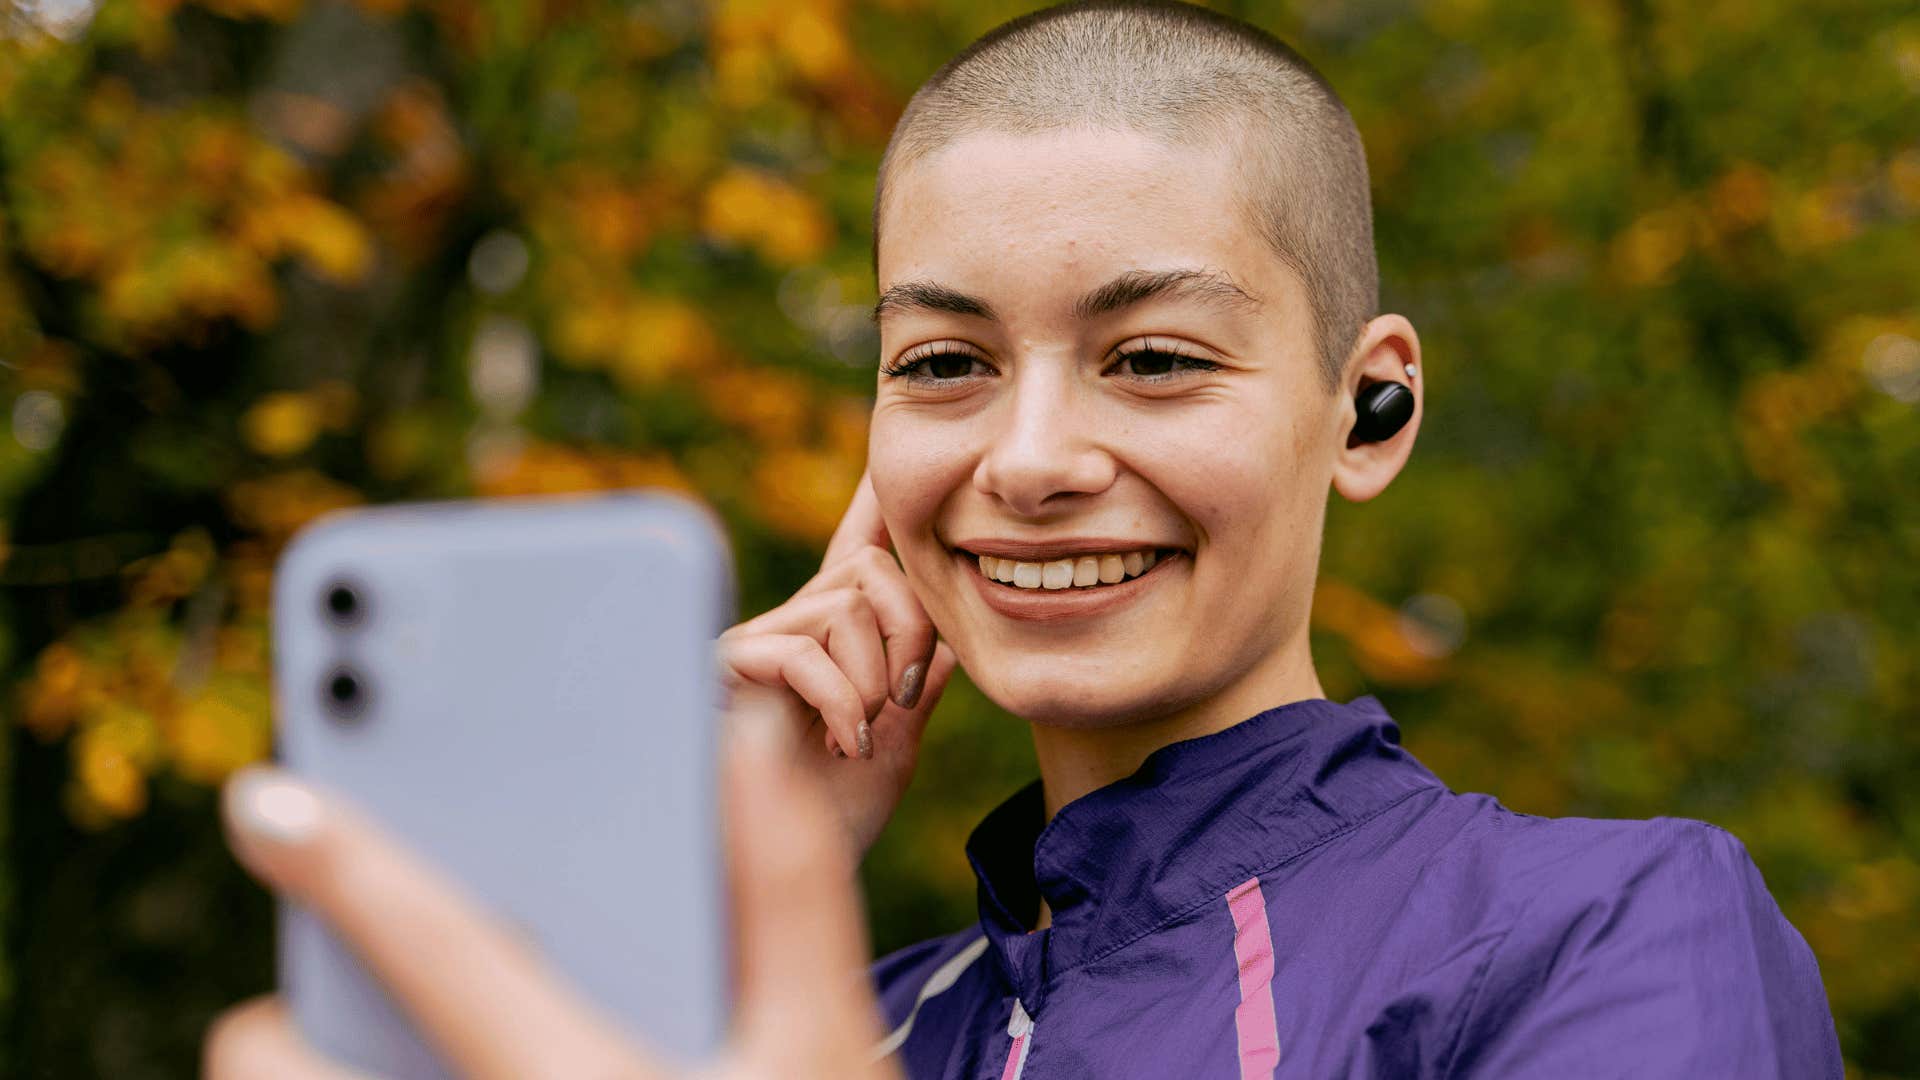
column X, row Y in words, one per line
column 1189, row 77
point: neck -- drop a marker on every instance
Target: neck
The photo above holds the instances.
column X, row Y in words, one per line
column 1075, row 761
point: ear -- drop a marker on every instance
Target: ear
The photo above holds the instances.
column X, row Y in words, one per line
column 1384, row 349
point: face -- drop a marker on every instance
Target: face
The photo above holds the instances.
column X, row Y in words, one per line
column 1100, row 443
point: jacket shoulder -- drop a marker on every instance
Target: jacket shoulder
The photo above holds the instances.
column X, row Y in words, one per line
column 1653, row 937
column 905, row 977
column 1575, row 857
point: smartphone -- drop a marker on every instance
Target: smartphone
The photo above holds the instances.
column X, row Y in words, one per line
column 524, row 692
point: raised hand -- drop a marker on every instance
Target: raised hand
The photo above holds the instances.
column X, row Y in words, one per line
column 854, row 652
column 488, row 1003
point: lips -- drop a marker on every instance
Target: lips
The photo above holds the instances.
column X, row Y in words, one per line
column 1059, row 548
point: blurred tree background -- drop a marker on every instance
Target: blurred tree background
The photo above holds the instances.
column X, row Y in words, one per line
column 1658, row 551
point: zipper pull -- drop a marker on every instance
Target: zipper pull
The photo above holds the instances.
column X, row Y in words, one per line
column 1019, row 1023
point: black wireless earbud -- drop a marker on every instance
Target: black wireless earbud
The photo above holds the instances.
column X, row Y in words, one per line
column 1384, row 408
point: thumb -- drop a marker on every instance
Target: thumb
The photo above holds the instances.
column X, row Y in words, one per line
column 861, row 526
column 799, row 924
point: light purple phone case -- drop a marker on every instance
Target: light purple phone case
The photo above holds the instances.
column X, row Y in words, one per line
column 542, row 726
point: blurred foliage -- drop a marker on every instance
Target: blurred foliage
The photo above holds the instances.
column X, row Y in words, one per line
column 1656, row 553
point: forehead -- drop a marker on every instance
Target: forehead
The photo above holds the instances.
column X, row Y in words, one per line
column 1026, row 214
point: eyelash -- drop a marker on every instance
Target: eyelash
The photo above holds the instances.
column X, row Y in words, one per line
column 913, row 367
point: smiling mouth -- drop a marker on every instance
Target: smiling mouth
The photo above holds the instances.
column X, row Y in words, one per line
column 1085, row 571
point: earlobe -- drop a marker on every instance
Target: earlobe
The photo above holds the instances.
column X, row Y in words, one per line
column 1385, row 381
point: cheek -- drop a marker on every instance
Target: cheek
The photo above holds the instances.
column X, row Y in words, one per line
column 1234, row 473
column 915, row 465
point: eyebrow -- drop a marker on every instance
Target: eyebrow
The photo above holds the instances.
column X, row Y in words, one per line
column 1209, row 286
column 931, row 296
column 1132, row 287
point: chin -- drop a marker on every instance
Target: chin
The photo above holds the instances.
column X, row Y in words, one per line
column 1087, row 701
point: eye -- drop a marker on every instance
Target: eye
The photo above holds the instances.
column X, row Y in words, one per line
column 1158, row 364
column 941, row 363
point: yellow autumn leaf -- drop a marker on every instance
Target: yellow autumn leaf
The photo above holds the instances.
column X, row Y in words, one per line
column 1374, row 633
column 769, row 404
column 1742, row 197
column 814, row 43
column 537, row 469
column 735, row 20
column 172, row 574
column 130, row 728
column 63, row 686
column 743, row 76
column 650, row 471
column 332, row 242
column 107, row 772
column 735, row 204
column 220, row 729
column 611, row 220
column 274, row 10
column 137, row 298
column 1652, row 246
column 585, row 334
column 658, row 336
column 797, row 233
column 277, row 506
column 398, row 445
column 1903, row 178
column 844, row 424
column 750, row 207
column 803, row 493
column 281, row 424
column 268, row 174
column 241, row 650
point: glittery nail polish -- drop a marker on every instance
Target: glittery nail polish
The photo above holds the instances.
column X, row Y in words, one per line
column 912, row 681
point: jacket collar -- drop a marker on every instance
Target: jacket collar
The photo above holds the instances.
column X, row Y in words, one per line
column 1198, row 818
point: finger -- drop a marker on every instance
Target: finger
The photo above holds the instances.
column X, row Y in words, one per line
column 853, row 640
column 939, row 673
column 804, row 994
column 861, row 526
column 844, row 622
column 475, row 991
column 257, row 1039
column 778, row 708
column 897, row 732
column 801, row 664
column 904, row 624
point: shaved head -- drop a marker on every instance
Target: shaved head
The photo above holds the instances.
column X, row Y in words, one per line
column 1191, row 78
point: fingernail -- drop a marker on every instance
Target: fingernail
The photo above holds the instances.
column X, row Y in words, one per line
column 912, row 681
column 864, row 736
column 267, row 805
column 837, row 752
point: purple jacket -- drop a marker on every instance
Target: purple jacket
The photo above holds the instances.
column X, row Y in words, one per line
column 1297, row 896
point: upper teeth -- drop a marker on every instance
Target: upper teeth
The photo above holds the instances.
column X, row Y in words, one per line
column 1081, row 570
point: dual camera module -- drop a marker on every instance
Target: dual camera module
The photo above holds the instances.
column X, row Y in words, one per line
column 343, row 689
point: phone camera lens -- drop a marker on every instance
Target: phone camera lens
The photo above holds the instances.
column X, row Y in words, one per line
column 345, row 693
column 343, row 603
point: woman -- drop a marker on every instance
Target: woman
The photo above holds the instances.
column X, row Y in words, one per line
column 1128, row 343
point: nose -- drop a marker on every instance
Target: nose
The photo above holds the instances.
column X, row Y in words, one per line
column 1044, row 450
